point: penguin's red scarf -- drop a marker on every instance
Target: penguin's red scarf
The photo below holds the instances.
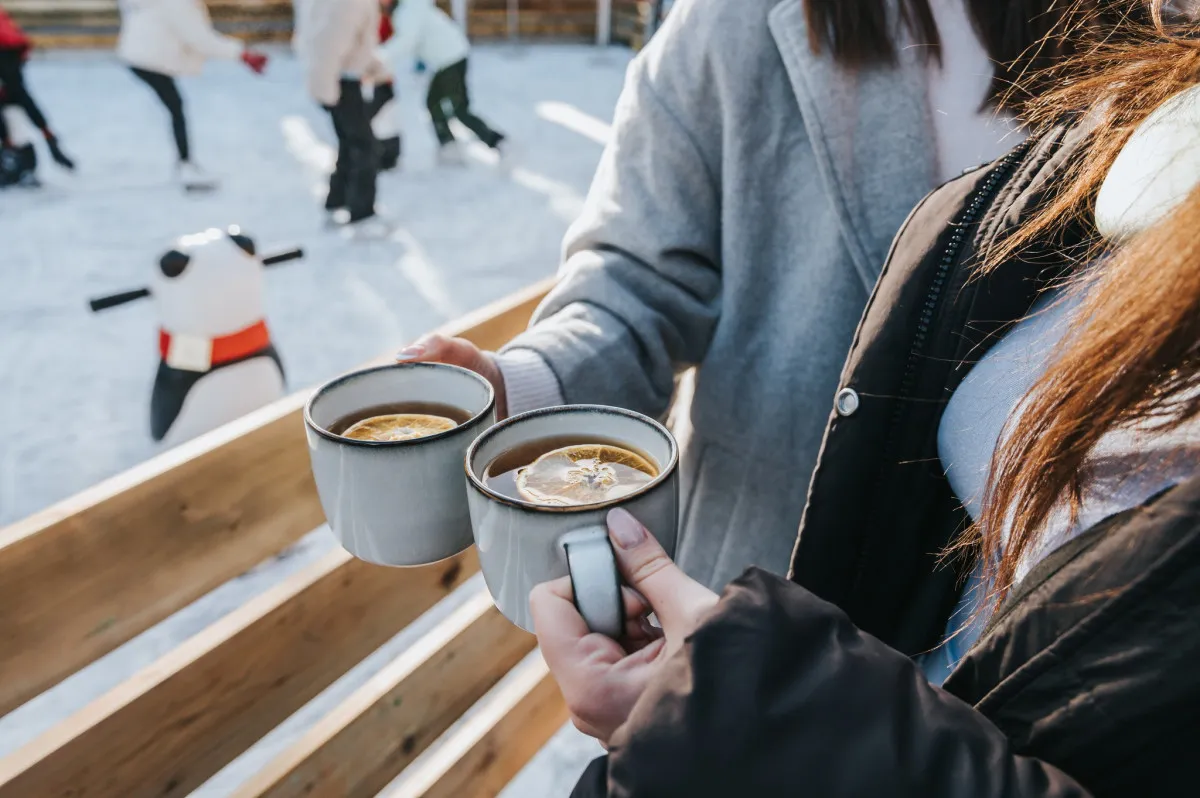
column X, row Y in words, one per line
column 224, row 349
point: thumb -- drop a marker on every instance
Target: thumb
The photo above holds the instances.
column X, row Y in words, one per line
column 676, row 598
column 440, row 349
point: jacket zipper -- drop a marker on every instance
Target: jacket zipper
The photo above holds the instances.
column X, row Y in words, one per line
column 980, row 201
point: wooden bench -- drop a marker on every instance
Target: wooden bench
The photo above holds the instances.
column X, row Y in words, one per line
column 87, row 575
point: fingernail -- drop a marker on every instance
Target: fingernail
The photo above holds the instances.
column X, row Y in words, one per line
column 626, row 530
column 410, row 352
column 650, row 630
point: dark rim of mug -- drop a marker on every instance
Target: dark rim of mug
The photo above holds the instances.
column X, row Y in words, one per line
column 466, row 426
column 477, row 483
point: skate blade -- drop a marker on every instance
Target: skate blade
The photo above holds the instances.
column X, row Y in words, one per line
column 199, row 188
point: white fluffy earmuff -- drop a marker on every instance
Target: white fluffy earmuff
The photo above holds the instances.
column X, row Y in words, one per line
column 1155, row 172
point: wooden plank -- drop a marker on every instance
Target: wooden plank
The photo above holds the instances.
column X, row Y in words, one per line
column 86, row 575
column 482, row 757
column 21, row 7
column 81, row 578
column 65, row 41
column 361, row 746
column 166, row 730
column 60, row 38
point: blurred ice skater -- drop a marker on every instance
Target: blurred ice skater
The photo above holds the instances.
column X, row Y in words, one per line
column 338, row 39
column 426, row 34
column 18, row 161
column 383, row 111
column 165, row 39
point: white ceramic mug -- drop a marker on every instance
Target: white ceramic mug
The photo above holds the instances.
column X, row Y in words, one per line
column 397, row 502
column 522, row 544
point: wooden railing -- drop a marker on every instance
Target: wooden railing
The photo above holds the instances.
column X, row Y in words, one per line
column 629, row 22
column 95, row 23
column 83, row 577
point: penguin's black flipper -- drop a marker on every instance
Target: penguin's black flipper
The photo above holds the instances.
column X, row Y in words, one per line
column 171, row 386
column 273, row 353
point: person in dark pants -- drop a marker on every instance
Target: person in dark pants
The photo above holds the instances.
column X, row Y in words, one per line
column 338, row 38
column 382, row 111
column 383, row 102
column 19, row 164
column 162, row 40
column 425, row 34
column 352, row 184
column 448, row 98
column 165, row 88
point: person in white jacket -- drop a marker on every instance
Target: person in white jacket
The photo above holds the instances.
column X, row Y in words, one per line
column 338, row 40
column 162, row 40
column 425, row 33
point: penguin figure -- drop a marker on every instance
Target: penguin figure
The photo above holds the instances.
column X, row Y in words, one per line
column 217, row 360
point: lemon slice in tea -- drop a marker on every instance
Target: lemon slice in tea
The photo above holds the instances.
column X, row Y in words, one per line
column 591, row 473
column 399, row 427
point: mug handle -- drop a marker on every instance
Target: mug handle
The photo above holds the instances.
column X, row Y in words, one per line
column 595, row 580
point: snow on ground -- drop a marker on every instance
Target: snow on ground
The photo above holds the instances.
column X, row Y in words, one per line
column 74, row 387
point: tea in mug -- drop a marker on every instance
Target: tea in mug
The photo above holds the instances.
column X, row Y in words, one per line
column 570, row 471
column 400, row 421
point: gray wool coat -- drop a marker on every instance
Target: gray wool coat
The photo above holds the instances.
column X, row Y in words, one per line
column 737, row 223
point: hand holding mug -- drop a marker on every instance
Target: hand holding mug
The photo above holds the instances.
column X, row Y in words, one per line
column 601, row 678
column 458, row 352
column 540, row 488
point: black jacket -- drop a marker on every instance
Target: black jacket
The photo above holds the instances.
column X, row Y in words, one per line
column 1087, row 680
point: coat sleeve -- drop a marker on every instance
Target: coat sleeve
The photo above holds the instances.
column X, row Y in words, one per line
column 336, row 33
column 638, row 294
column 328, row 41
column 778, row 693
column 407, row 22
column 377, row 70
column 189, row 21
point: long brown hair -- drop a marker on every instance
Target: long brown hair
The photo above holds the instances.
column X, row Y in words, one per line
column 1132, row 355
column 1022, row 37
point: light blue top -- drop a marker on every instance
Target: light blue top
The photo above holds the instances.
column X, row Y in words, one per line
column 1127, row 468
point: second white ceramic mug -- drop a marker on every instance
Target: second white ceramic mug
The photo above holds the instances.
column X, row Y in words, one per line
column 522, row 544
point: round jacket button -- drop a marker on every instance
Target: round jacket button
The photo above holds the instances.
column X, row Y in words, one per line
column 846, row 403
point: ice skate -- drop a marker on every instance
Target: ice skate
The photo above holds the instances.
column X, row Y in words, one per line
column 373, row 227
column 193, row 178
column 451, row 154
column 8, row 166
column 389, row 154
column 18, row 166
column 506, row 155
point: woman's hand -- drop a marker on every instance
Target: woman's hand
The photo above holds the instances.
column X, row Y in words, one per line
column 601, row 678
column 458, row 352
